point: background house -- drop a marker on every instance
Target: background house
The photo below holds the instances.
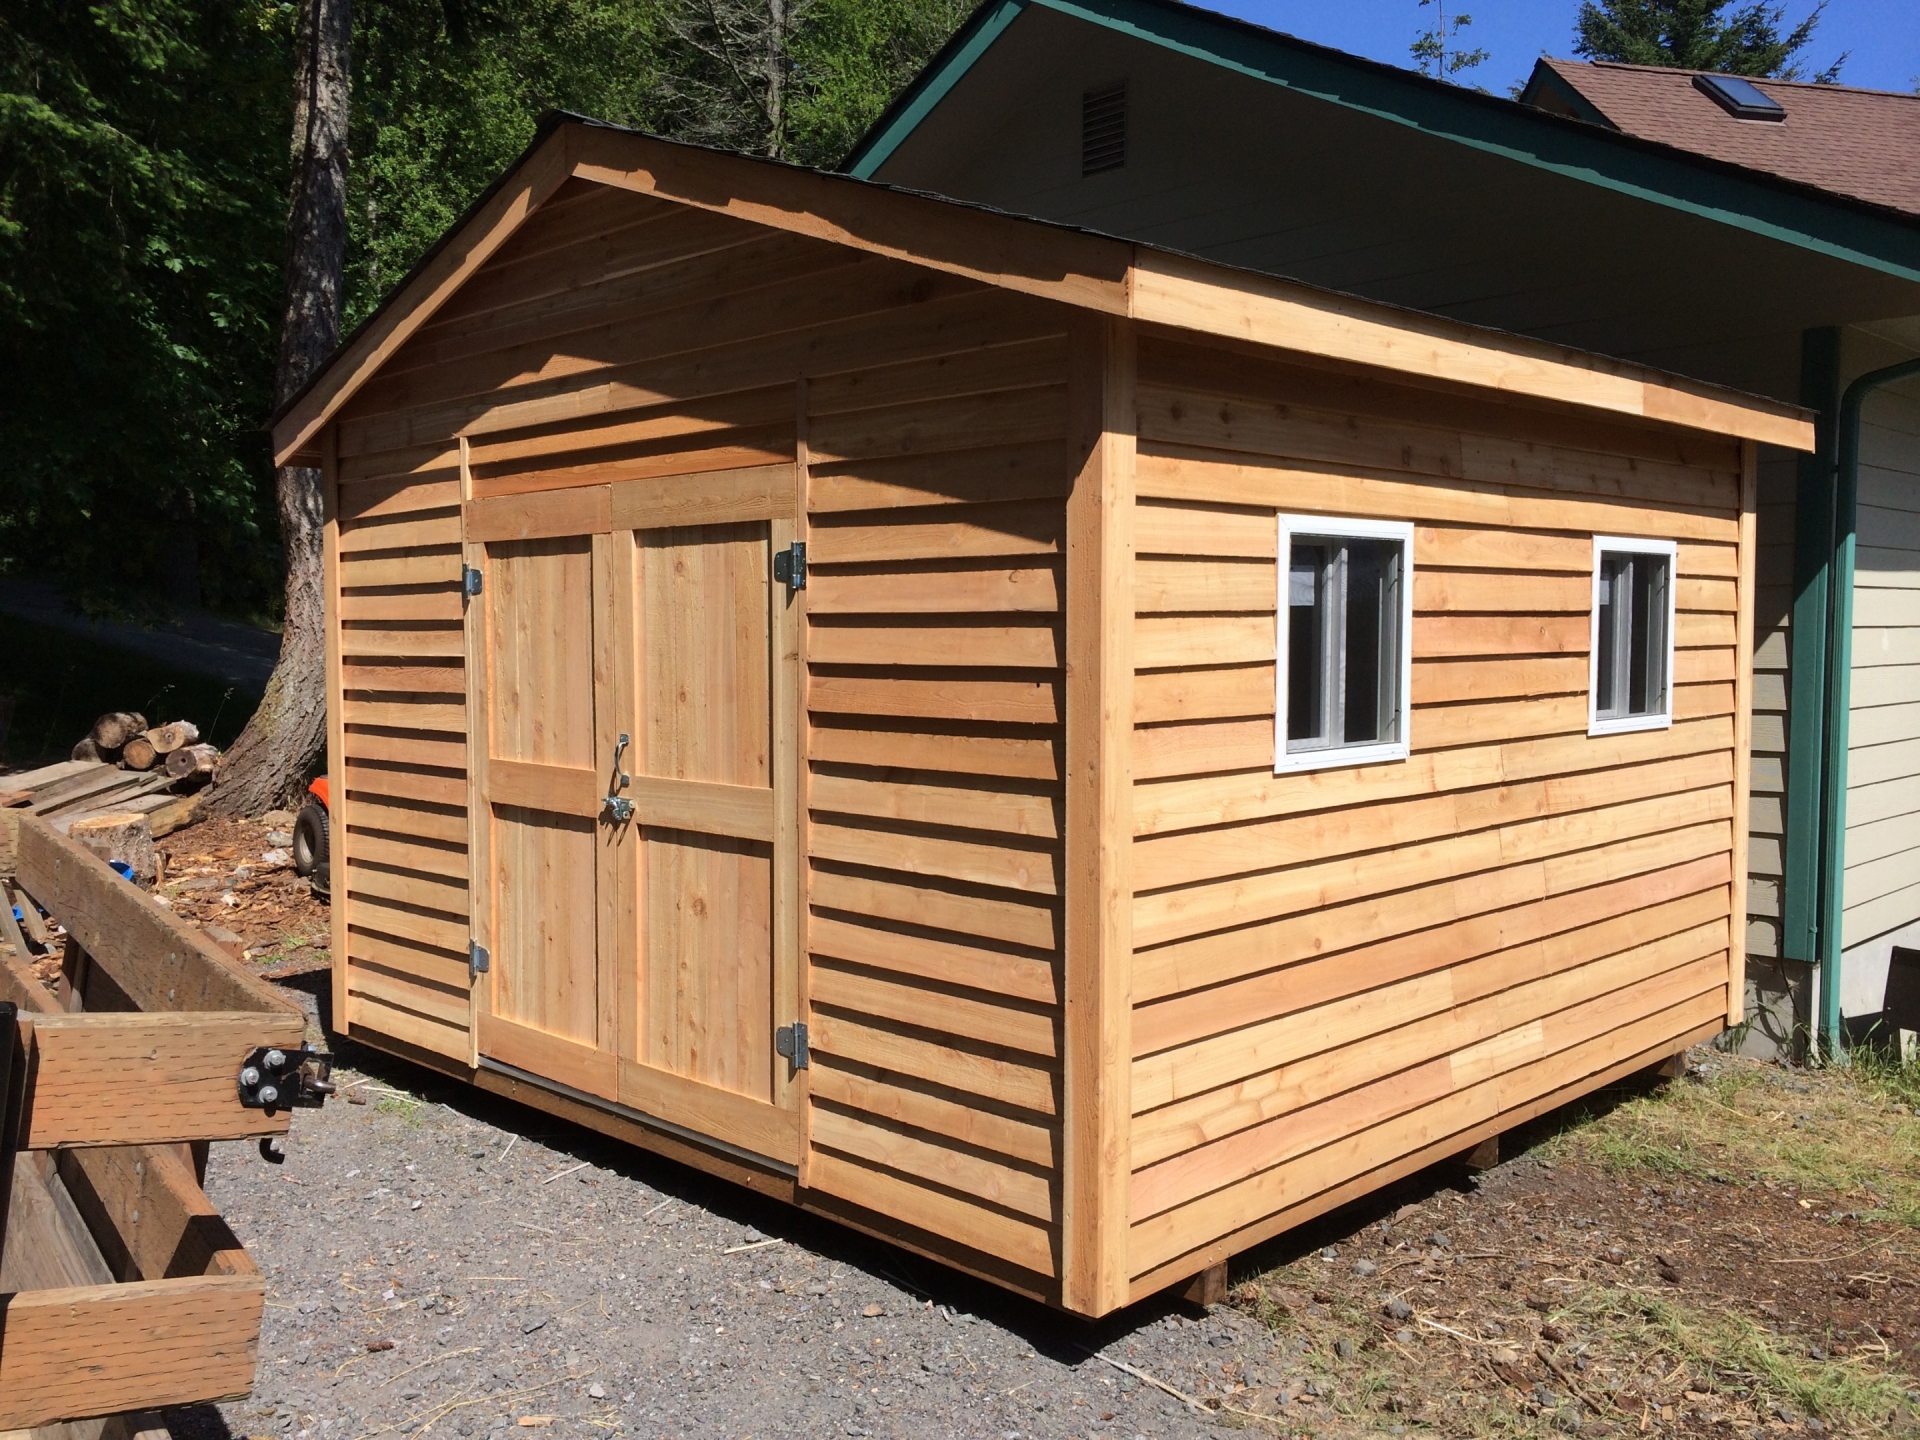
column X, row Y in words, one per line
column 1772, row 245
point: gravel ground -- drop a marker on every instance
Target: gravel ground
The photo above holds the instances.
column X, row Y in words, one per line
column 442, row 1261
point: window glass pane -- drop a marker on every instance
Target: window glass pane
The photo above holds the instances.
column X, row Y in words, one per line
column 1367, row 679
column 1306, row 640
column 1642, row 569
column 1606, row 640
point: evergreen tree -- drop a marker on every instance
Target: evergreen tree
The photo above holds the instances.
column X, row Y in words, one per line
column 1700, row 35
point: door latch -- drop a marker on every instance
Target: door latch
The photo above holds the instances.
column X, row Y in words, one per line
column 790, row 565
column 790, row 1041
column 613, row 805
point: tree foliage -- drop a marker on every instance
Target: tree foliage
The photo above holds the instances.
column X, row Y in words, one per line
column 1700, row 35
column 1438, row 49
column 143, row 184
column 142, row 165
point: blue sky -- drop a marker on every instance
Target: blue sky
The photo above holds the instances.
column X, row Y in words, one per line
column 1883, row 35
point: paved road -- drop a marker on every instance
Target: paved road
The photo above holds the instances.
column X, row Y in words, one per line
column 194, row 640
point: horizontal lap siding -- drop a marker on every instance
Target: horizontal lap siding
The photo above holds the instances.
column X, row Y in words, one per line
column 936, row 513
column 1772, row 684
column 1340, row 968
column 1883, row 758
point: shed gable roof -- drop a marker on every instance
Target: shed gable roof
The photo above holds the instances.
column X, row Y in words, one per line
column 1054, row 262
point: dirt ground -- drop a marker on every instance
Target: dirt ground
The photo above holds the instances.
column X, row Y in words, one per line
column 1728, row 1254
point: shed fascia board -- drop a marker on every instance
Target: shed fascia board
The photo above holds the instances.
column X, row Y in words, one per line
column 1054, row 262
column 1837, row 226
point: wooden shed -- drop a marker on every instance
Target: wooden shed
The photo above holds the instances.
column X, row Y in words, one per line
column 816, row 691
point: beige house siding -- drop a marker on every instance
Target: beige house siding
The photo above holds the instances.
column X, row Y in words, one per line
column 1771, row 668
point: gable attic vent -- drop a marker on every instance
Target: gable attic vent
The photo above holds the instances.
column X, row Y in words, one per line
column 1103, row 130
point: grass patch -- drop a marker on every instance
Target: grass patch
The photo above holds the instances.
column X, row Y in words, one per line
column 1849, row 1133
column 403, row 1107
column 61, row 682
column 1723, row 1354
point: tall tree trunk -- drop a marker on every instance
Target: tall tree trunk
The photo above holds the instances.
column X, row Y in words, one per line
column 270, row 761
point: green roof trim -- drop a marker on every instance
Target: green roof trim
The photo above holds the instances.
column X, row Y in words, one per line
column 1837, row 226
column 931, row 85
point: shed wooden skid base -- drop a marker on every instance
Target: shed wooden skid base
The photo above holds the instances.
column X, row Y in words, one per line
column 1091, row 995
column 121, row 1289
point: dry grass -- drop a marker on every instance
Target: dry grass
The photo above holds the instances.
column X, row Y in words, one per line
column 1850, row 1134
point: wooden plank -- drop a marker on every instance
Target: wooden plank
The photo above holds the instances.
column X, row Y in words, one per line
column 1027, row 585
column 947, row 532
column 982, row 1180
column 743, row 811
column 140, row 1079
column 442, row 603
column 923, row 799
column 408, row 853
column 1691, row 858
column 977, row 966
column 563, row 789
column 907, row 1002
column 539, row 514
column 991, row 1072
column 938, row 1109
column 1008, row 1238
column 740, row 1120
column 1743, row 732
column 998, row 696
column 101, row 1349
column 1031, row 756
column 159, row 962
column 1174, row 914
column 1099, row 781
column 1221, row 799
column 399, row 533
column 713, row 497
column 887, row 642
column 949, row 477
column 1002, row 865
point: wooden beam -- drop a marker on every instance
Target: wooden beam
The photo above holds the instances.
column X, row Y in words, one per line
column 158, row 962
column 1194, row 295
column 138, row 1079
column 1099, row 828
column 1743, row 731
column 83, row 1351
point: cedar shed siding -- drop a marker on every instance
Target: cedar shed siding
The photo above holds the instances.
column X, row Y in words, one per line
column 1335, row 971
column 1094, row 997
column 930, row 429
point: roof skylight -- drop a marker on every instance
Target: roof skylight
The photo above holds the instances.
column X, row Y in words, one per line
column 1740, row 97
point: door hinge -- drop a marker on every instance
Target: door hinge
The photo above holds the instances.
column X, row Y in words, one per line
column 790, row 565
column 470, row 580
column 791, row 1042
column 479, row 961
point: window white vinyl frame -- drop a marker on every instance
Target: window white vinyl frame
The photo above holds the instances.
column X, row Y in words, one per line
column 1625, row 724
column 1331, row 756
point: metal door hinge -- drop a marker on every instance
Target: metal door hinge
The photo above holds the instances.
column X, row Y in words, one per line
column 471, row 580
column 791, row 1042
column 478, row 960
column 790, row 565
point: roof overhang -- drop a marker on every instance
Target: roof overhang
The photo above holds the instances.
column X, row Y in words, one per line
column 1838, row 226
column 1054, row 262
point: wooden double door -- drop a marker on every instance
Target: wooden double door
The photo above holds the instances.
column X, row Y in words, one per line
column 636, row 856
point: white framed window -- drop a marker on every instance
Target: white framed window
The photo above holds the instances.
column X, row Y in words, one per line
column 1344, row 642
column 1630, row 671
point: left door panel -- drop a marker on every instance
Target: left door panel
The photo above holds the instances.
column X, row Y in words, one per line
column 546, row 1003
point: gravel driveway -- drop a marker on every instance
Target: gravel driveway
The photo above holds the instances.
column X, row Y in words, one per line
column 441, row 1261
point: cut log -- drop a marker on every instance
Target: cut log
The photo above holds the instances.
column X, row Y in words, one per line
column 116, row 727
column 139, row 754
column 192, row 760
column 177, row 812
column 171, row 736
column 127, row 838
column 87, row 750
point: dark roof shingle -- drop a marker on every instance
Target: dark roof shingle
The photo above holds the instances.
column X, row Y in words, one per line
column 1862, row 143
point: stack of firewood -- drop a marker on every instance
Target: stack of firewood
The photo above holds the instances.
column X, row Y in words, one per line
column 123, row 738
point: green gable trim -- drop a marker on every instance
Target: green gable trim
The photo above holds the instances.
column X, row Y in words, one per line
column 930, row 86
column 1845, row 230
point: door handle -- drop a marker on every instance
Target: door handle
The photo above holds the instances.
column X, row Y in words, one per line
column 614, row 805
